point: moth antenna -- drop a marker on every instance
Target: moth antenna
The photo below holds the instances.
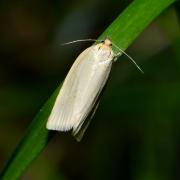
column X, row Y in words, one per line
column 132, row 60
column 81, row 40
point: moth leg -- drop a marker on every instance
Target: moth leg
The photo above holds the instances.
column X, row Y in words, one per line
column 116, row 56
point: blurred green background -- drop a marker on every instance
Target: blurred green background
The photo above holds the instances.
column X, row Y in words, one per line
column 135, row 132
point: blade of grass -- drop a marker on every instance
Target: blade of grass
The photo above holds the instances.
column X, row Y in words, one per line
column 128, row 25
column 122, row 31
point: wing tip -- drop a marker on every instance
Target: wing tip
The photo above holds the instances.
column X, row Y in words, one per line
column 57, row 127
column 77, row 129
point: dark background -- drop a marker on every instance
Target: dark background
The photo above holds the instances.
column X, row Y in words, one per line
column 135, row 132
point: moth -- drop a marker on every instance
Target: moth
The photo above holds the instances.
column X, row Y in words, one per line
column 78, row 98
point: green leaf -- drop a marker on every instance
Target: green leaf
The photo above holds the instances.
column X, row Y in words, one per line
column 122, row 32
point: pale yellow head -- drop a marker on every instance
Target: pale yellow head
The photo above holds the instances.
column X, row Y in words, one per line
column 106, row 44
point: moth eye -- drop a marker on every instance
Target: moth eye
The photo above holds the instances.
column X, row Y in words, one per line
column 102, row 41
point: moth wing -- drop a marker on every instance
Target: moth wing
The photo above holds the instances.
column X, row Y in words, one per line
column 59, row 118
column 89, row 96
column 78, row 133
column 80, row 91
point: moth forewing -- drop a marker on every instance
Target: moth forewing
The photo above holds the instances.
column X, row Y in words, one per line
column 81, row 89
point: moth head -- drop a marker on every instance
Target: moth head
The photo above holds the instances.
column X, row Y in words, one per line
column 107, row 42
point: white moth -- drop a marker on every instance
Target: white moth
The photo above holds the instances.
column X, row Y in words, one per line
column 78, row 99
